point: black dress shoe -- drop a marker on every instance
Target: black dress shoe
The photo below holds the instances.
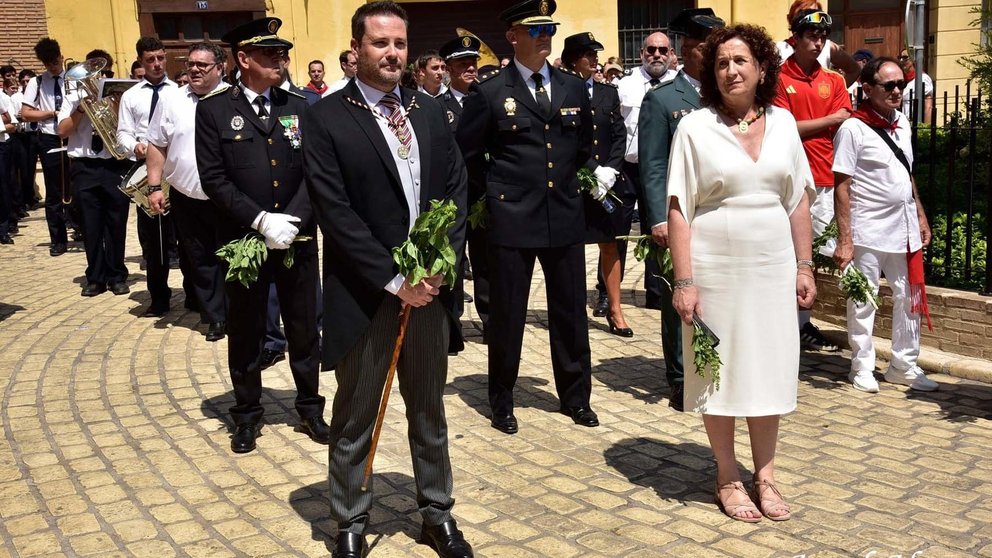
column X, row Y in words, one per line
column 243, row 440
column 583, row 416
column 93, row 289
column 602, row 307
column 467, row 297
column 5, row 239
column 120, row 288
column 316, row 428
column 446, row 539
column 270, row 357
column 156, row 310
column 57, row 249
column 216, row 331
column 621, row 331
column 677, row 398
column 505, row 423
column 350, row 545
column 77, row 235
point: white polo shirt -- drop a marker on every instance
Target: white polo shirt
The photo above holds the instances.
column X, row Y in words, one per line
column 44, row 99
column 173, row 126
column 80, row 141
column 883, row 210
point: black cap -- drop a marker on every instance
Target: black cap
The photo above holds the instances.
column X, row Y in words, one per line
column 530, row 12
column 579, row 43
column 863, row 54
column 460, row 47
column 696, row 23
column 257, row 33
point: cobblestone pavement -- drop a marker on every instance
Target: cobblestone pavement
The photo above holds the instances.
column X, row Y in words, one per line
column 115, row 443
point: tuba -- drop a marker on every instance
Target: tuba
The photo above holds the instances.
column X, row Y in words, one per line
column 102, row 112
column 135, row 186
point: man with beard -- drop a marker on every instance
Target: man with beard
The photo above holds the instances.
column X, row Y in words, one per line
column 525, row 132
column 376, row 156
column 248, row 153
column 655, row 52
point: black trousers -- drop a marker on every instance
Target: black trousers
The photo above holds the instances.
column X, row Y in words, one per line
column 652, row 274
column 478, row 255
column 564, row 274
column 104, row 214
column 297, row 288
column 6, row 195
column 203, row 276
column 155, row 249
column 60, row 207
column 25, row 146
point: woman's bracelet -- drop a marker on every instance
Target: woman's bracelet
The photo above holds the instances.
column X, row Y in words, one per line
column 682, row 283
column 807, row 263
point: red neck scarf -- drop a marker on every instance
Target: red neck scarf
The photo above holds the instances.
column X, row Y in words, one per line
column 311, row 87
column 911, row 74
column 871, row 117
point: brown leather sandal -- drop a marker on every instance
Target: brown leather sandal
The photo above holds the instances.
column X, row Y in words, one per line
column 774, row 504
column 732, row 510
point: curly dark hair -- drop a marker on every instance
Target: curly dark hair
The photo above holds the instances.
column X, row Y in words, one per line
column 47, row 50
column 765, row 55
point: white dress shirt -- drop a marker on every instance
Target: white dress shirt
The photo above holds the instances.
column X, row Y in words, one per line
column 6, row 107
column 632, row 89
column 45, row 99
column 458, row 95
column 133, row 117
column 440, row 90
column 409, row 168
column 81, row 140
column 251, row 96
column 337, row 85
column 528, row 74
column 173, row 127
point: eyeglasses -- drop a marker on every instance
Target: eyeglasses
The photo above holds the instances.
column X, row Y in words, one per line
column 815, row 18
column 663, row 50
column 202, row 66
column 536, row 31
column 903, row 57
column 890, row 85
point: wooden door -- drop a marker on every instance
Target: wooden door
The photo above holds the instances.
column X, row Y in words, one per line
column 879, row 32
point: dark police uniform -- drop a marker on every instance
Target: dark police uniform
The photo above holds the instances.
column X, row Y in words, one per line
column 535, row 212
column 248, row 165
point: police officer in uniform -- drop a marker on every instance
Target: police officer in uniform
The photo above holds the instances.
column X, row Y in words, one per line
column 661, row 111
column 534, row 122
column 250, row 162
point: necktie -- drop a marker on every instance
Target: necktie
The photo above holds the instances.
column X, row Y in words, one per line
column 57, row 93
column 262, row 113
column 654, row 82
column 96, row 143
column 155, row 88
column 543, row 102
column 397, row 124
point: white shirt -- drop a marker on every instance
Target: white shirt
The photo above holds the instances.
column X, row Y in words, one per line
column 337, row 85
column 527, row 74
column 80, row 141
column 132, row 119
column 409, row 168
column 251, row 96
column 6, row 107
column 632, row 89
column 910, row 93
column 440, row 90
column 45, row 99
column 883, row 210
column 458, row 95
column 173, row 126
column 785, row 50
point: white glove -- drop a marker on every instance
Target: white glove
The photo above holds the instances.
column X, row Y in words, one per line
column 279, row 230
column 606, row 177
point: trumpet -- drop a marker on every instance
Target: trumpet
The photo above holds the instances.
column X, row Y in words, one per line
column 102, row 112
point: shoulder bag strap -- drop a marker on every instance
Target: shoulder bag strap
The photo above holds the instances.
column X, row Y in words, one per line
column 895, row 148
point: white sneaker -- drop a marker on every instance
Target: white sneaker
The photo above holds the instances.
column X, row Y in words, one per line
column 914, row 378
column 864, row 381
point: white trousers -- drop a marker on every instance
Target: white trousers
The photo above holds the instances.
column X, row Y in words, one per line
column 822, row 212
column 861, row 317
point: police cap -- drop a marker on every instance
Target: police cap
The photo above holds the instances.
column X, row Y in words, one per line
column 580, row 43
column 696, row 23
column 460, row 47
column 257, row 33
column 530, row 12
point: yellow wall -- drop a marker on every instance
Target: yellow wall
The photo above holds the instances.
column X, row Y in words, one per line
column 319, row 30
column 82, row 26
column 770, row 14
column 952, row 20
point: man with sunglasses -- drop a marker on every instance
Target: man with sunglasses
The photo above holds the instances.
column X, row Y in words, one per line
column 909, row 94
column 653, row 71
column 250, row 160
column 535, row 124
column 818, row 99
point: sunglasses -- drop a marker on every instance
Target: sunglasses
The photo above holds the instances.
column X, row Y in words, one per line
column 662, row 50
column 815, row 18
column 536, row 31
column 904, row 57
column 890, row 85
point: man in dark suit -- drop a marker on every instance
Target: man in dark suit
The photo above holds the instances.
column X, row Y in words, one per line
column 536, row 141
column 661, row 111
column 376, row 155
column 248, row 153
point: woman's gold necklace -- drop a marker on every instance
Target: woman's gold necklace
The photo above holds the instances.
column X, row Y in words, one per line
column 743, row 125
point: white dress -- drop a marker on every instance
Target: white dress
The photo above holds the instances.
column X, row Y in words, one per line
column 743, row 260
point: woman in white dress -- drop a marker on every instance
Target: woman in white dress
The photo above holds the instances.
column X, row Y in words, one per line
column 741, row 239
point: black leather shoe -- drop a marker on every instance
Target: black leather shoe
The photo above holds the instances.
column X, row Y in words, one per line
column 93, row 289
column 5, row 239
column 156, row 310
column 57, row 249
column 270, row 357
column 216, row 331
column 446, row 539
column 120, row 288
column 621, row 331
column 316, row 428
column 602, row 307
column 583, row 416
column 350, row 545
column 505, row 423
column 677, row 399
column 243, row 440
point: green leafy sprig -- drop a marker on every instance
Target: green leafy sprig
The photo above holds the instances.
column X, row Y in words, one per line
column 857, row 288
column 645, row 248
column 832, row 232
column 428, row 251
column 705, row 356
column 478, row 214
column 245, row 257
column 588, row 182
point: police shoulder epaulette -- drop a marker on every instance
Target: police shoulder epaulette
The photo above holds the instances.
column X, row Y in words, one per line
column 294, row 93
column 662, row 84
column 607, row 84
column 568, row 71
column 214, row 93
column 488, row 76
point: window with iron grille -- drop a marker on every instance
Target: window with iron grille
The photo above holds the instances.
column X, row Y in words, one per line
column 640, row 18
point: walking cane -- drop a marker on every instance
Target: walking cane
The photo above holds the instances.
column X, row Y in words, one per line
column 404, row 318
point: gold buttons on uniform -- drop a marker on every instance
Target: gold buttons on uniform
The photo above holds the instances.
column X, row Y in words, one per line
column 276, row 205
column 547, row 126
column 597, row 157
column 551, row 165
column 549, row 146
column 514, row 127
column 275, row 183
column 501, row 196
column 270, row 141
column 595, row 142
column 274, row 162
column 593, row 126
column 551, row 184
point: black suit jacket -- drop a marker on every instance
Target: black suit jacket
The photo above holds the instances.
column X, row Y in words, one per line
column 609, row 134
column 452, row 109
column 530, row 182
column 247, row 166
column 359, row 204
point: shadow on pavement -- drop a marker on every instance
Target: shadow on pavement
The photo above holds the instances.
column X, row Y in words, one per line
column 675, row 471
column 473, row 390
column 278, row 405
column 962, row 402
column 8, row 310
column 820, row 377
column 394, row 506
column 642, row 377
